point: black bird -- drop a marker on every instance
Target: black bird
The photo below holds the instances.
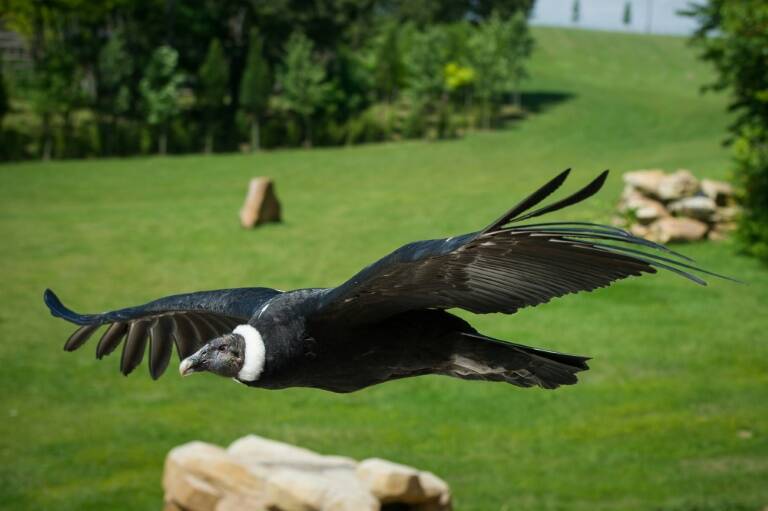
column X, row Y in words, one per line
column 390, row 320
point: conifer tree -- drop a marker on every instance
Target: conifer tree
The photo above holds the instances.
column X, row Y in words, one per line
column 213, row 80
column 160, row 88
column 303, row 81
column 255, row 86
column 4, row 103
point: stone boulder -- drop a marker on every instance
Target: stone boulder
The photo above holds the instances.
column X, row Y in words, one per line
column 679, row 184
column 719, row 191
column 198, row 476
column 645, row 181
column 394, row 483
column 677, row 229
column 259, row 474
column 312, row 480
column 699, row 207
column 261, row 204
column 726, row 215
column 640, row 207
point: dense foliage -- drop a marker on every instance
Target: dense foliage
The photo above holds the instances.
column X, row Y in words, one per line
column 135, row 76
column 733, row 35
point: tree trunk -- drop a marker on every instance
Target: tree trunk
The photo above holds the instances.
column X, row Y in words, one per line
column 67, row 124
column 208, row 141
column 162, row 142
column 255, row 138
column 46, row 150
column 307, row 132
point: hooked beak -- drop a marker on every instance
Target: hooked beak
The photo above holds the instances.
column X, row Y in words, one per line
column 193, row 363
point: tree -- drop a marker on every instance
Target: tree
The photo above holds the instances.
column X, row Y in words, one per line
column 55, row 91
column 733, row 37
column 160, row 89
column 627, row 16
column 426, row 61
column 498, row 53
column 519, row 46
column 4, row 104
column 388, row 67
column 576, row 11
column 302, row 81
column 256, row 86
column 212, row 92
column 115, row 67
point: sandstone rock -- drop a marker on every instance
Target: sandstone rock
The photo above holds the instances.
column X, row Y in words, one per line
column 721, row 231
column 679, row 184
column 642, row 208
column 719, row 191
column 641, row 231
column 303, row 478
column 677, row 229
column 257, row 474
column 393, row 482
column 645, row 181
column 728, row 214
column 190, row 492
column 171, row 506
column 699, row 207
column 260, row 450
column 197, row 475
column 261, row 204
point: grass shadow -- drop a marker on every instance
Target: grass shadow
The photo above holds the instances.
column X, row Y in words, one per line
column 540, row 101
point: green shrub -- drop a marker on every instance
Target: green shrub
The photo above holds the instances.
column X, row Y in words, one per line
column 751, row 178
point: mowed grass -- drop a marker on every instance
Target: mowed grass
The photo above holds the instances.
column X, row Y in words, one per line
column 672, row 414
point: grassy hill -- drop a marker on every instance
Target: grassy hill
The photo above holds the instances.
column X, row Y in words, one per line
column 671, row 416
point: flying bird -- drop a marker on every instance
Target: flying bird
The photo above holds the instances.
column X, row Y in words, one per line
column 391, row 319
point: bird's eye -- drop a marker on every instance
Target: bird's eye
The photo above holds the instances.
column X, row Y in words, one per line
column 222, row 347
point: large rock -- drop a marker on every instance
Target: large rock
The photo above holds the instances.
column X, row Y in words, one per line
column 261, row 204
column 699, row 207
column 257, row 474
column 641, row 208
column 719, row 191
column 679, row 184
column 393, row 482
column 308, row 479
column 721, row 231
column 645, row 181
column 677, row 229
column 727, row 214
column 198, row 476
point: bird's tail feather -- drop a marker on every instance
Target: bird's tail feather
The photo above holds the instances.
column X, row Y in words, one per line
column 478, row 357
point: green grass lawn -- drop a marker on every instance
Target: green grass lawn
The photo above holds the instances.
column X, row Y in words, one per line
column 679, row 371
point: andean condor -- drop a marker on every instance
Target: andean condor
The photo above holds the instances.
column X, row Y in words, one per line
column 390, row 320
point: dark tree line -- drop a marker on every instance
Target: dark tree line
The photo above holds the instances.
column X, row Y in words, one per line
column 119, row 77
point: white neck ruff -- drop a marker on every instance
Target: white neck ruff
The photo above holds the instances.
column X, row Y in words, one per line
column 255, row 353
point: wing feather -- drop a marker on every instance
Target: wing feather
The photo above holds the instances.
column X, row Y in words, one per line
column 502, row 268
column 188, row 321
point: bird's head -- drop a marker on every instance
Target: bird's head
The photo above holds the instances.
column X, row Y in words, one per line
column 223, row 356
column 239, row 354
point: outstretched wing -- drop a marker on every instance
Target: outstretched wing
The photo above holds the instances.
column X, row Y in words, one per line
column 501, row 268
column 186, row 320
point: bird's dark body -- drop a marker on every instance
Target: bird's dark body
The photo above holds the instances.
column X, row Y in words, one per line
column 410, row 344
column 390, row 320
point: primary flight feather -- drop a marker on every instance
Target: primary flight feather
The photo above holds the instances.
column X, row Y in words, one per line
column 389, row 321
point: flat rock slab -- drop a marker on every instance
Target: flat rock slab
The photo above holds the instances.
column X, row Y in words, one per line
column 256, row 473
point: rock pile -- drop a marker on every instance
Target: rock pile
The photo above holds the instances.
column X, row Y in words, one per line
column 257, row 474
column 668, row 207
